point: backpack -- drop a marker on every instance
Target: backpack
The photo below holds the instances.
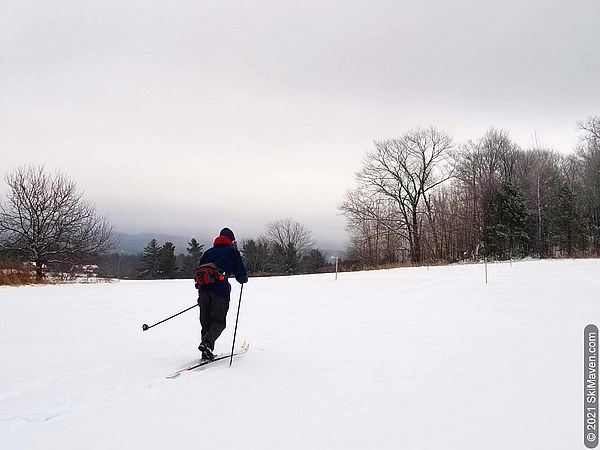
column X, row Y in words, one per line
column 207, row 274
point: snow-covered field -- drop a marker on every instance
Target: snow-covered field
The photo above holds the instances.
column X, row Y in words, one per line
column 399, row 359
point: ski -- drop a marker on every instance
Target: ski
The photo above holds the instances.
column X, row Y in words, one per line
column 204, row 362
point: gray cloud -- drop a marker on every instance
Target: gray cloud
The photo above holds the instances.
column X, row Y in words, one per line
column 271, row 105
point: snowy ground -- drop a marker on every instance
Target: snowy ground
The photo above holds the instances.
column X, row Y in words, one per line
column 408, row 358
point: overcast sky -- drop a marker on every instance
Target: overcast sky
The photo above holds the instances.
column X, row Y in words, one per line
column 183, row 117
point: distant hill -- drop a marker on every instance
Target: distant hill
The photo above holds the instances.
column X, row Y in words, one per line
column 134, row 243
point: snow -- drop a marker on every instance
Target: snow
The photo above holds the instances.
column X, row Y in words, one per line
column 413, row 358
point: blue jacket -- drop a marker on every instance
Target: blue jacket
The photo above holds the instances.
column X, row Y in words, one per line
column 227, row 258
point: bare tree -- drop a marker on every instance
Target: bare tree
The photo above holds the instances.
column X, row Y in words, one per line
column 591, row 130
column 450, row 212
column 481, row 167
column 406, row 170
column 374, row 225
column 549, row 201
column 44, row 220
column 289, row 241
column 589, row 176
column 539, row 175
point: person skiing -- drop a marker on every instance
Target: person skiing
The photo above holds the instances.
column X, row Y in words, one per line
column 213, row 298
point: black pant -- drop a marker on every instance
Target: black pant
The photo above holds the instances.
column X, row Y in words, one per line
column 213, row 312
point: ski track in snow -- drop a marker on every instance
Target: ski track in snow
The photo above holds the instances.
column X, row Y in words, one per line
column 416, row 358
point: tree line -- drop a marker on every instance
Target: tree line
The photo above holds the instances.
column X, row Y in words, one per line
column 422, row 199
column 154, row 262
column 47, row 226
column 419, row 198
column 286, row 248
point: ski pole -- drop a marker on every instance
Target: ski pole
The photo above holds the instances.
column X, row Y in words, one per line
column 146, row 327
column 236, row 324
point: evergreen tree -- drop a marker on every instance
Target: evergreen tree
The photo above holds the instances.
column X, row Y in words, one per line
column 180, row 261
column 506, row 233
column 255, row 255
column 149, row 269
column 568, row 225
column 276, row 261
column 285, row 259
column 195, row 250
column 249, row 253
column 314, row 260
column 167, row 265
column 191, row 259
column 292, row 259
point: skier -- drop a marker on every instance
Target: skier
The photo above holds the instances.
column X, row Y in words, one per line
column 213, row 298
